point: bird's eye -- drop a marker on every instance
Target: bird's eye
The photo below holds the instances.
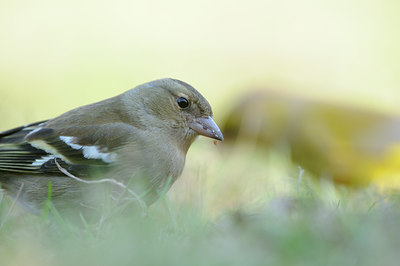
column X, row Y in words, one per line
column 182, row 102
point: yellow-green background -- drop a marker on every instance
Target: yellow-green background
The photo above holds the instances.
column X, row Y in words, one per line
column 56, row 55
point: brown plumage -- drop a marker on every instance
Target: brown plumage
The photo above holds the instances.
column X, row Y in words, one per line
column 140, row 137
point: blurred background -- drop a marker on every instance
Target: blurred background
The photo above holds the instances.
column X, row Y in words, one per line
column 314, row 82
column 306, row 93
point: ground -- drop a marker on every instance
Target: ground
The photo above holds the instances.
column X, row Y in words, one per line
column 237, row 207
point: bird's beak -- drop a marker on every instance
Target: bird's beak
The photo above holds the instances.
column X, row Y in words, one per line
column 206, row 126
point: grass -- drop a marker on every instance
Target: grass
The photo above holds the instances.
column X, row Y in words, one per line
column 236, row 207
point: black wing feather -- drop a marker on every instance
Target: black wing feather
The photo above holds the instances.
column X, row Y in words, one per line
column 19, row 155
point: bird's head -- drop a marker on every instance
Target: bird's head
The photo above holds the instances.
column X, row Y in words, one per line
column 176, row 107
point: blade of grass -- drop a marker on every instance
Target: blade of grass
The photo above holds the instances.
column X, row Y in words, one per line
column 45, row 210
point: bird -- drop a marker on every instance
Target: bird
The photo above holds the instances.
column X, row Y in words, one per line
column 140, row 137
column 350, row 145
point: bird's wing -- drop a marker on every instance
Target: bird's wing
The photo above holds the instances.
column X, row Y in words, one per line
column 34, row 148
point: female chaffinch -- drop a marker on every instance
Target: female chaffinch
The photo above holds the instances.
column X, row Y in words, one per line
column 141, row 136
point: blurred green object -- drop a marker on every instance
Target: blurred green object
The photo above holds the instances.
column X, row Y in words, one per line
column 346, row 144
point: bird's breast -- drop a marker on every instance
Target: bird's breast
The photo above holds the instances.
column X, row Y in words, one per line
column 150, row 163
